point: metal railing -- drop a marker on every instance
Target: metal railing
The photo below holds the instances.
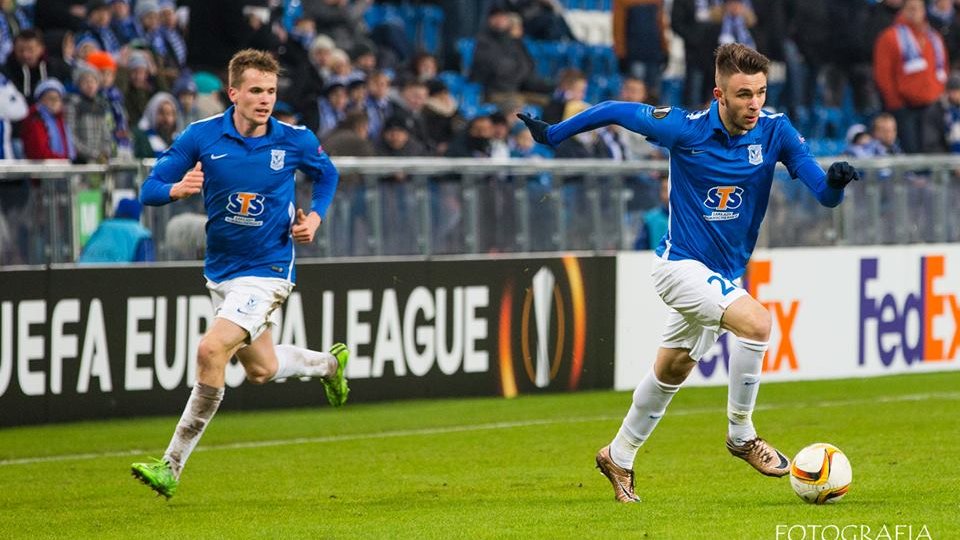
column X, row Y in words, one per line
column 435, row 206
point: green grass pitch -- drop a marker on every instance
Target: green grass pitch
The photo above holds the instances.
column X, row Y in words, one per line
column 495, row 468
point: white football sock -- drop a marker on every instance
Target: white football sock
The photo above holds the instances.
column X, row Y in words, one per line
column 650, row 400
column 298, row 362
column 202, row 405
column 746, row 362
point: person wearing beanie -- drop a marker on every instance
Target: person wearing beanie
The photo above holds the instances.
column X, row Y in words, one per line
column 88, row 116
column 139, row 84
column 121, row 238
column 107, row 66
column 185, row 90
column 176, row 46
column 122, row 23
column 44, row 131
column 13, row 19
column 83, row 46
column 210, row 100
column 158, row 126
column 99, row 15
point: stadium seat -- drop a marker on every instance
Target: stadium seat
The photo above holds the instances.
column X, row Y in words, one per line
column 829, row 122
column 602, row 60
column 408, row 13
column 533, row 110
column 671, row 92
column 431, row 27
column 465, row 48
column 552, row 57
column 577, row 56
column 470, row 94
column 602, row 88
column 826, row 147
column 453, row 80
column 378, row 14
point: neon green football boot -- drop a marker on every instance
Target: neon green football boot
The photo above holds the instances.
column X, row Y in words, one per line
column 336, row 385
column 158, row 475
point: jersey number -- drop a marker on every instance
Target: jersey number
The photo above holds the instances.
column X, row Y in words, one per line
column 724, row 288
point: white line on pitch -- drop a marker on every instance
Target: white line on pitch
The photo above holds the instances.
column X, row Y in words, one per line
column 467, row 428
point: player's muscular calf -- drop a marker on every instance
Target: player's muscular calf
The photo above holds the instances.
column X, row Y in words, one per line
column 190, row 184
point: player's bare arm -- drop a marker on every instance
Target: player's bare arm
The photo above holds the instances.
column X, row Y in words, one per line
column 190, row 184
column 305, row 227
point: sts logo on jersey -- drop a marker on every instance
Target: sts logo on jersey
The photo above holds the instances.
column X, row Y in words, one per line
column 723, row 200
column 245, row 207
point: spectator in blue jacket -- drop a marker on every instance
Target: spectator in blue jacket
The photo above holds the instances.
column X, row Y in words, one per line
column 653, row 224
column 121, row 238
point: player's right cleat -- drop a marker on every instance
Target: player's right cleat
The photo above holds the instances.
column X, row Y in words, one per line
column 336, row 384
column 158, row 475
column 620, row 478
column 762, row 456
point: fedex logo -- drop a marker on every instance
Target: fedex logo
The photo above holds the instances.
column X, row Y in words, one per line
column 781, row 353
column 908, row 327
column 245, row 204
column 724, row 197
column 783, row 313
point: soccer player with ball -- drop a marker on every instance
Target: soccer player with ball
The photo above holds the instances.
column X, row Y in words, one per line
column 242, row 162
column 722, row 162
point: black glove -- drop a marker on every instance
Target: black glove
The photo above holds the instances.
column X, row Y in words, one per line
column 840, row 174
column 538, row 128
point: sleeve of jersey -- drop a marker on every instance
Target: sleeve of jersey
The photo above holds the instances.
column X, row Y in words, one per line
column 796, row 156
column 321, row 170
column 172, row 164
column 661, row 125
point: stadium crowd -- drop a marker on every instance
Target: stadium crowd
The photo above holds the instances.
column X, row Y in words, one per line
column 108, row 79
column 94, row 80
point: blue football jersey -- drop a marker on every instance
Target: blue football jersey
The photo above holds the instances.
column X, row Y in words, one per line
column 248, row 191
column 719, row 184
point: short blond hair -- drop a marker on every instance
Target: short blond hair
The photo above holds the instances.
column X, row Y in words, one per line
column 247, row 59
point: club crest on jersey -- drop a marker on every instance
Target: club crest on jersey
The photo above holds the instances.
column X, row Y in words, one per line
column 661, row 112
column 276, row 159
column 754, row 154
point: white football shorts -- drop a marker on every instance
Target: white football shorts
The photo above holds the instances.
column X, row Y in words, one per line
column 697, row 298
column 251, row 302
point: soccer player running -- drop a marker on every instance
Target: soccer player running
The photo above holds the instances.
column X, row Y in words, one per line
column 722, row 161
column 243, row 162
